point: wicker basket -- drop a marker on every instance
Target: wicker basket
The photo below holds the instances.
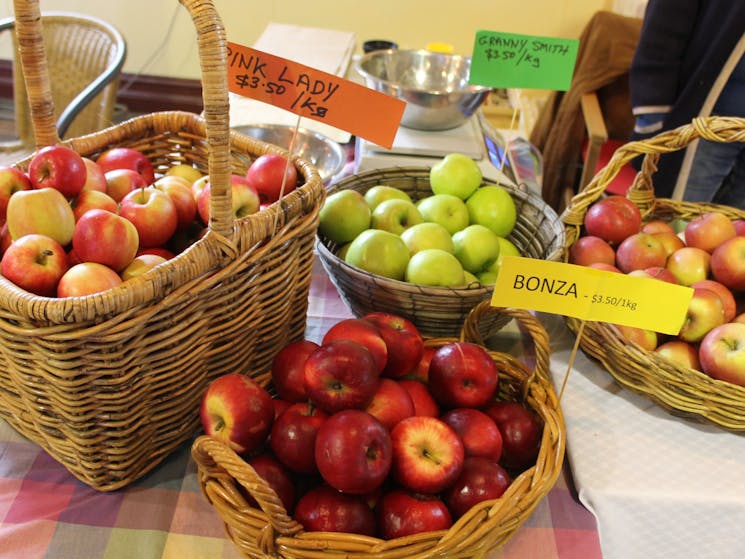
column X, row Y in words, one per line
column 680, row 390
column 436, row 311
column 270, row 532
column 109, row 384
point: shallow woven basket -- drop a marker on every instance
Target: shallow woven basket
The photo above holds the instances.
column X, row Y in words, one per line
column 269, row 531
column 109, row 384
column 436, row 311
column 680, row 390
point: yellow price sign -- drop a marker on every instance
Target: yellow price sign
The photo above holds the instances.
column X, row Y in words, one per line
column 591, row 294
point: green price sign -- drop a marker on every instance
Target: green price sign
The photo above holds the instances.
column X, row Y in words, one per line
column 522, row 61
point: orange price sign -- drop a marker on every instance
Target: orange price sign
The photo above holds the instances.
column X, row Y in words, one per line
column 314, row 94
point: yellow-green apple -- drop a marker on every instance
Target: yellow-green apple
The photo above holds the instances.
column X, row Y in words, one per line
column 507, row 248
column 288, row 370
column 705, row 311
column 590, row 249
column 190, row 173
column 639, row 251
column 404, row 342
column 179, row 190
column 95, row 178
column 728, row 263
column 11, row 180
column 680, row 352
column 613, row 218
column 479, row 433
column 35, row 263
column 153, row 213
column 245, row 199
column 379, row 252
column 427, row 235
column 655, row 272
column 324, row 509
column 455, row 174
column 487, row 277
column 708, row 230
column 45, row 211
column 469, row 278
column 446, row 209
column 390, row 404
column 477, row 247
column 344, row 215
column 341, row 374
column 403, row 513
column 198, row 185
column 462, row 374
column 492, row 206
column 365, row 333
column 58, row 167
column 670, row 241
column 657, row 226
column 435, row 267
column 722, row 353
column 481, row 479
column 277, row 475
column 120, row 182
column 272, row 176
column 140, row 264
column 395, row 215
column 689, row 265
column 728, row 299
column 293, row 436
column 427, row 454
column 123, row 157
column 424, row 402
column 90, row 200
column 644, row 338
column 106, row 238
column 353, row 452
column 521, row 430
column 238, row 411
column 382, row 192
column 87, row 278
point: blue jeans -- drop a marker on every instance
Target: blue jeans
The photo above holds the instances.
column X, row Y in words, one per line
column 717, row 174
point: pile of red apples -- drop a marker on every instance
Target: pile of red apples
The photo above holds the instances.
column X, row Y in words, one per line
column 74, row 225
column 374, row 432
column 706, row 253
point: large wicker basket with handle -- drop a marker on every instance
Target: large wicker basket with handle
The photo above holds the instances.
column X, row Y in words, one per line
column 109, row 384
column 680, row 390
column 269, row 531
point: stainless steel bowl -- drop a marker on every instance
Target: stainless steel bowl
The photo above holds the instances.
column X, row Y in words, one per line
column 322, row 152
column 434, row 85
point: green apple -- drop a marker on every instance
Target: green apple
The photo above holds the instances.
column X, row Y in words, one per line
column 506, row 248
column 487, row 277
column 44, row 211
column 455, row 174
column 469, row 278
column 436, row 268
column 477, row 248
column 492, row 206
column 379, row 252
column 382, row 192
column 447, row 210
column 427, row 235
column 343, row 216
column 395, row 215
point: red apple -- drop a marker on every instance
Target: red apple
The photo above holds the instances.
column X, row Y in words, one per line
column 521, row 431
column 271, row 470
column 58, row 167
column 639, row 251
column 605, row 267
column 87, row 278
column 739, row 226
column 11, row 180
column 44, row 211
column 670, row 242
column 106, row 238
column 179, row 190
column 391, row 403
column 646, row 339
column 363, row 332
column 655, row 272
column 245, row 199
column 280, row 406
column 689, row 265
column 271, row 175
column 590, row 249
column 324, row 509
column 722, row 353
column 657, row 226
column 613, row 219
column 403, row 513
column 727, row 297
column 141, row 264
column 288, row 370
column 479, row 433
column 5, row 239
column 404, row 342
column 120, row 182
column 153, row 214
column 238, row 411
column 293, row 437
column 92, row 199
column 708, row 230
column 353, row 452
column 95, row 178
column 705, row 311
column 127, row 158
column 480, row 480
column 35, row 263
column 421, row 371
column 680, row 352
column 728, row 263
column 424, row 402
column 157, row 251
column 427, row 454
column 462, row 374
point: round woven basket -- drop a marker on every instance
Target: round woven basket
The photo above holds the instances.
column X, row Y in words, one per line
column 680, row 390
column 269, row 531
column 436, row 311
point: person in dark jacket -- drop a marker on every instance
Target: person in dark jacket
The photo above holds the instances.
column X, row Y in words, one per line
column 688, row 63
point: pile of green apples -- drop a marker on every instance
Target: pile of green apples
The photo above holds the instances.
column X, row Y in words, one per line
column 454, row 237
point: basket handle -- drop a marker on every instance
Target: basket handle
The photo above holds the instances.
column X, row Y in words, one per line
column 212, row 42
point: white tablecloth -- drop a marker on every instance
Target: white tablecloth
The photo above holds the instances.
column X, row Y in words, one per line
column 660, row 486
